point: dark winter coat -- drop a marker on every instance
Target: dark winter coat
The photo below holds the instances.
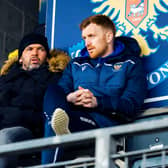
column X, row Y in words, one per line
column 21, row 97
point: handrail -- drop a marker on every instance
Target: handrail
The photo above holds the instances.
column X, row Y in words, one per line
column 100, row 136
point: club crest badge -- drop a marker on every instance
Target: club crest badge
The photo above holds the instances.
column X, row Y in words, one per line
column 117, row 66
column 136, row 11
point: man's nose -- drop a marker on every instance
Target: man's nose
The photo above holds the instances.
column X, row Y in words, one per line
column 35, row 51
column 87, row 42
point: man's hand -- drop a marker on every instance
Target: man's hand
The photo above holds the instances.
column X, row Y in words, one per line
column 82, row 97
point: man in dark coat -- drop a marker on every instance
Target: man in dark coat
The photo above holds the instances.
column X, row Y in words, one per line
column 21, row 94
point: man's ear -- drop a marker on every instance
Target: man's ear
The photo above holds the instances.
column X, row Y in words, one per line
column 109, row 37
column 20, row 61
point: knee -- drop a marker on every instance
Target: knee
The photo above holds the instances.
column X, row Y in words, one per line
column 14, row 134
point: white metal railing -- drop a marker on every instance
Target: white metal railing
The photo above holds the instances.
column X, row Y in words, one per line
column 105, row 145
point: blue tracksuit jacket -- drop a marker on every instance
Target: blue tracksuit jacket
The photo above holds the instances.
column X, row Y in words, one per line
column 118, row 80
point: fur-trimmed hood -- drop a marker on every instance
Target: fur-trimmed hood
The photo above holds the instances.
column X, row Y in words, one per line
column 57, row 63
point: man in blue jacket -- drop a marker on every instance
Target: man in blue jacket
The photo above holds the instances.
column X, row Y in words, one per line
column 104, row 87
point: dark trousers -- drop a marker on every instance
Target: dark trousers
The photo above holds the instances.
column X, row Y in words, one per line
column 10, row 135
column 80, row 119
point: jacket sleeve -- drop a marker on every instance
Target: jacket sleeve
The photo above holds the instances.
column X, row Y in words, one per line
column 128, row 105
column 66, row 81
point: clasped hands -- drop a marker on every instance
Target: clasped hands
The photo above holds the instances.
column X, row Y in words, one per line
column 82, row 97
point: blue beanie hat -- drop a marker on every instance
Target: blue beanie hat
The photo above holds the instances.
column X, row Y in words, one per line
column 33, row 38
